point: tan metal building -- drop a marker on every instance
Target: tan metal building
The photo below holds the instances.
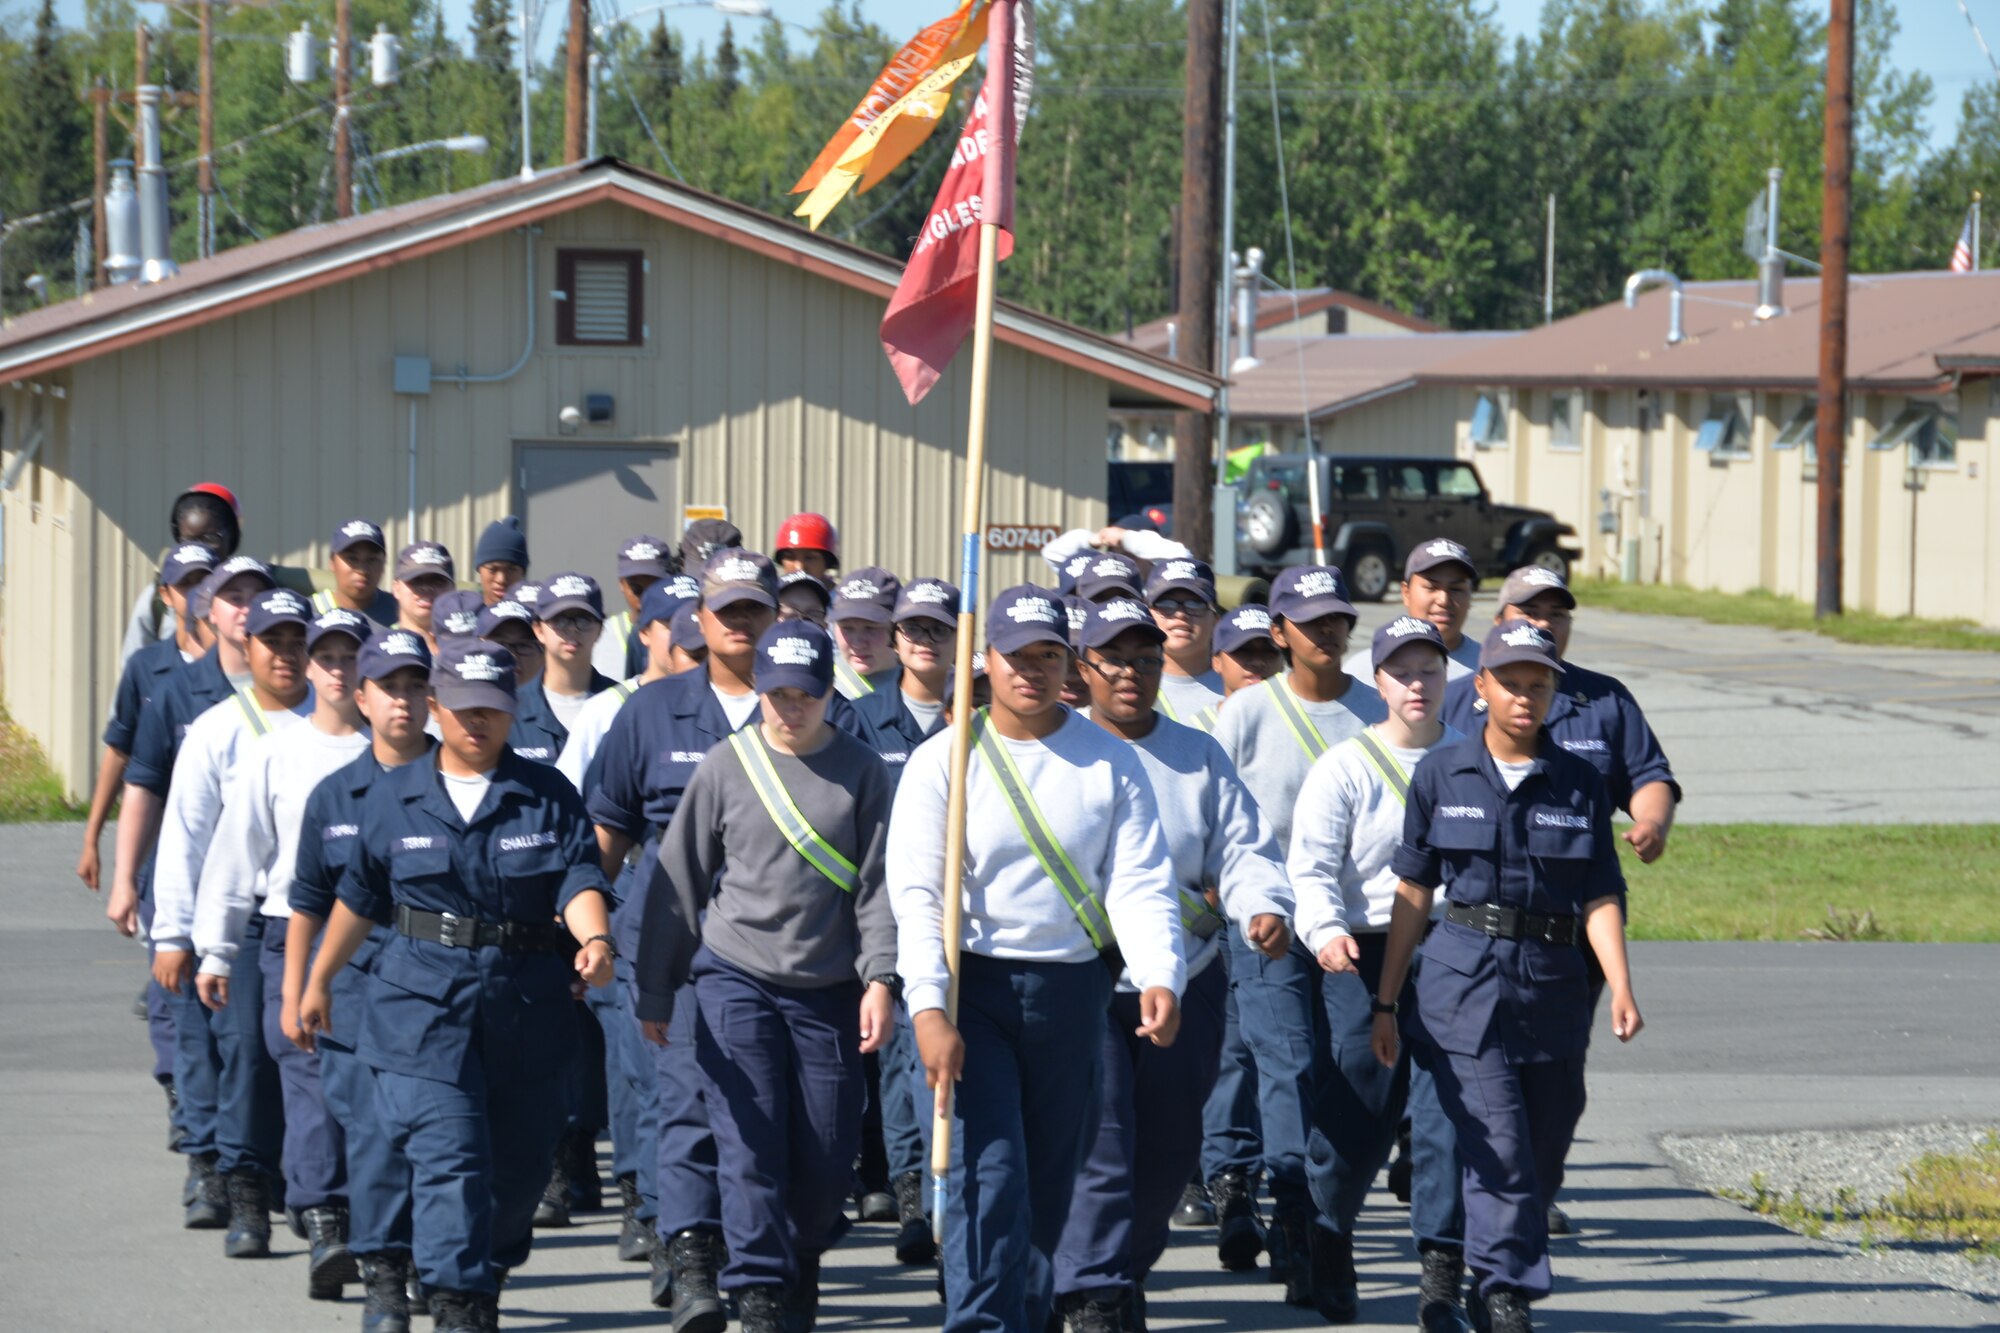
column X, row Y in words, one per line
column 596, row 348
column 1694, row 462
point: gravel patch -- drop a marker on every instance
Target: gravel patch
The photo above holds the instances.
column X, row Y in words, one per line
column 1841, row 1172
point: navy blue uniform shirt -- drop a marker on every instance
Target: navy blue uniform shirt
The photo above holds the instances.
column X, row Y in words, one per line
column 538, row 734
column 526, row 853
column 896, row 730
column 186, row 694
column 1545, row 847
column 1593, row 716
column 146, row 672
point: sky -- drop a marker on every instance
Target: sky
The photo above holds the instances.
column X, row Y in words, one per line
column 1935, row 37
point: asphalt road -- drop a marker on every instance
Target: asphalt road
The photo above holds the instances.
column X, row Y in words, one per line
column 1739, row 1037
column 1790, row 727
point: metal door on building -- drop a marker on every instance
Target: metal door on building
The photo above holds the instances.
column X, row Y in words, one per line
column 579, row 501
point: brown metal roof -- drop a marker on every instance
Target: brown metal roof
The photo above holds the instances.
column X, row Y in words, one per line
column 1906, row 332
column 1324, row 375
column 1275, row 308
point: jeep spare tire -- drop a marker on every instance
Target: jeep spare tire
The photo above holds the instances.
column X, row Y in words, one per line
column 1545, row 556
column 1268, row 524
column 1368, row 574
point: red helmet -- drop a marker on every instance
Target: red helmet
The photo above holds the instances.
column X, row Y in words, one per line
column 807, row 532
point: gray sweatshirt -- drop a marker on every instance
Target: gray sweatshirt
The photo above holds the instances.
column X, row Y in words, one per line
column 1258, row 740
column 769, row 912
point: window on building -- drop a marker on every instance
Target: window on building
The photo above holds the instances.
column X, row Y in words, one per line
column 1725, row 431
column 1457, row 481
column 1489, row 419
column 1798, row 429
column 1929, row 429
column 1563, row 425
column 600, row 298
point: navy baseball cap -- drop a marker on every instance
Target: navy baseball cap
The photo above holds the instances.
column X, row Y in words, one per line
column 236, row 566
column 276, row 607
column 338, row 621
column 704, row 537
column 1111, row 574
column 457, row 613
column 473, row 673
column 1426, row 556
column 356, row 532
column 866, row 594
column 528, row 595
column 1076, row 610
column 1531, row 581
column 642, row 557
column 184, row 562
column 735, row 575
column 928, row 599
column 1180, row 575
column 794, row 654
column 570, row 592
column 1517, row 641
column 659, row 602
column 686, row 628
column 391, row 651
column 1398, row 633
column 1307, row 592
column 1025, row 615
column 1245, row 625
column 506, row 611
column 420, row 559
column 1071, row 569
column 1105, row 621
column 798, row 578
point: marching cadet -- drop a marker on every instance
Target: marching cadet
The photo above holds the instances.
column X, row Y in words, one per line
column 423, row 574
column 864, row 603
column 204, row 514
column 642, row 562
column 500, row 558
column 1518, row 832
column 803, row 596
column 471, row 855
column 249, row 870
column 652, row 630
column 1181, row 593
column 771, row 906
column 144, row 673
column 1346, row 826
column 567, row 622
column 805, row 542
column 1273, row 732
column 1245, row 651
column 221, row 600
column 1593, row 716
column 1109, row 575
column 456, row 615
column 1439, row 579
column 702, row 539
column 359, row 556
column 208, row 771
column 1064, row 862
column 394, row 671
column 1148, row 1140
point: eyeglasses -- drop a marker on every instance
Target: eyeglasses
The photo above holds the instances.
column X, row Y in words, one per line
column 1112, row 669
column 1181, row 606
column 924, row 631
column 522, row 647
column 569, row 624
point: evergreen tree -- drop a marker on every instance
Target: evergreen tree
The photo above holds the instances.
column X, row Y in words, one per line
column 52, row 156
column 728, row 68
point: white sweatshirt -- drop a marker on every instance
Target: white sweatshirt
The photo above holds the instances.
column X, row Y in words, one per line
column 1254, row 734
column 1092, row 790
column 590, row 728
column 1346, row 827
column 205, row 775
column 1139, row 543
column 256, row 840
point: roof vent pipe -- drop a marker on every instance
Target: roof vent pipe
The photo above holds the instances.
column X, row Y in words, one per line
column 1653, row 277
column 1771, row 268
column 1249, row 279
column 157, row 263
column 121, row 225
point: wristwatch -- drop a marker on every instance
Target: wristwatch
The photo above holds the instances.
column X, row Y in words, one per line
column 891, row 980
column 1377, row 1007
column 610, row 944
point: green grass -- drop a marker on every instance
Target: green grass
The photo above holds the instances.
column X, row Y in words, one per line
column 1775, row 612
column 1948, row 1197
column 29, row 791
column 1927, row 883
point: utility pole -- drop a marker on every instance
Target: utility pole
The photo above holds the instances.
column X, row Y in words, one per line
column 141, row 62
column 1830, row 425
column 343, row 143
column 576, row 81
column 100, row 152
column 205, row 168
column 1194, row 519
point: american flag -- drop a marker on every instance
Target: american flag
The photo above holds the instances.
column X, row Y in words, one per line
column 1961, row 254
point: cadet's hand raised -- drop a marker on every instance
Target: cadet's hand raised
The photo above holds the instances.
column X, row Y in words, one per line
column 1270, row 935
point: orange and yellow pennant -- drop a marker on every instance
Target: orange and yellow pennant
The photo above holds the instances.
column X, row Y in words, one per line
column 901, row 109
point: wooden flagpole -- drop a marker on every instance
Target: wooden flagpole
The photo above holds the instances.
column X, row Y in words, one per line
column 961, row 705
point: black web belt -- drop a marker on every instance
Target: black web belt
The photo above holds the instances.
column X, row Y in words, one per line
column 464, row 932
column 1511, row 923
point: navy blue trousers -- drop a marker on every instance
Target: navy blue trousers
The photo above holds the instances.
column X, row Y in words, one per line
column 903, row 1111
column 1359, row 1104
column 1148, row 1140
column 1514, row 1124
column 632, row 1093
column 159, row 1008
column 1278, row 1006
column 781, row 1073
column 1232, row 1128
column 684, row 1172
column 227, row 1082
column 315, row 1147
column 1024, row 1115
column 378, row 1175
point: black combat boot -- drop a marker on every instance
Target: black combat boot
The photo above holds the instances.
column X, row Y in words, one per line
column 1505, row 1312
column 634, row 1236
column 456, row 1312
column 1098, row 1310
column 1294, row 1267
column 332, row 1266
column 208, row 1203
column 1242, row 1237
column 1439, row 1299
column 386, row 1278
column 175, row 1134
column 249, row 1215
column 1336, row 1291
column 659, row 1272
column 761, row 1309
column 694, row 1257
column 586, row 1187
column 553, row 1210
column 802, row 1297
column 1196, row 1209
column 914, row 1242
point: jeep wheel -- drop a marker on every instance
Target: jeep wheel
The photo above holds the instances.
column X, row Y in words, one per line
column 1267, row 524
column 1549, row 558
column 1368, row 575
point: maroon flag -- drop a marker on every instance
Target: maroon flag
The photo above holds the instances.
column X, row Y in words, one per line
column 932, row 310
